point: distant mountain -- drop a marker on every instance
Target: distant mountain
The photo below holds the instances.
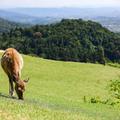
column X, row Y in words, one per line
column 112, row 23
column 108, row 17
column 26, row 19
column 16, row 17
column 6, row 25
column 68, row 12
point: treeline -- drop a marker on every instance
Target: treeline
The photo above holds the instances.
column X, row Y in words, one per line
column 69, row 40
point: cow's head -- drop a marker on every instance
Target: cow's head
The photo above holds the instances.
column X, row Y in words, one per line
column 20, row 88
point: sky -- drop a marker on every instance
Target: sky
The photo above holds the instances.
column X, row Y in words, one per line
column 59, row 3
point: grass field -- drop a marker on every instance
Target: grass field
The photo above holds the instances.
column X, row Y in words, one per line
column 56, row 91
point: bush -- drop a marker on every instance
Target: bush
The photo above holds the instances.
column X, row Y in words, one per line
column 114, row 88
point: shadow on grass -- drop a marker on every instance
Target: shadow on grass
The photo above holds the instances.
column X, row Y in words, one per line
column 7, row 96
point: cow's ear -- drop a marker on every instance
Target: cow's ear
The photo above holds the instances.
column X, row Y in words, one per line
column 26, row 81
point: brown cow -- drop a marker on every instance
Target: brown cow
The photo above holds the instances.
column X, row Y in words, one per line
column 12, row 64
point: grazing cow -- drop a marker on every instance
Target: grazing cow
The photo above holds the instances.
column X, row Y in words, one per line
column 12, row 64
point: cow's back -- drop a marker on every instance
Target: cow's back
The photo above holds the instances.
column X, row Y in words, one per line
column 12, row 61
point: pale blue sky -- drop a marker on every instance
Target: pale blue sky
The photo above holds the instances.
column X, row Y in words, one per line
column 58, row 3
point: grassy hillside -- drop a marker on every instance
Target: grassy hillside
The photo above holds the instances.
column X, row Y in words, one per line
column 56, row 90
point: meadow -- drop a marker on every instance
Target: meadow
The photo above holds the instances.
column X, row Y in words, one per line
column 57, row 91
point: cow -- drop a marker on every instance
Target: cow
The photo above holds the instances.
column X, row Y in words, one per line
column 12, row 64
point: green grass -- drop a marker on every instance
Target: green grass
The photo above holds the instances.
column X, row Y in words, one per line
column 56, row 90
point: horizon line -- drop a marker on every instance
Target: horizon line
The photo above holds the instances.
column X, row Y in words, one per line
column 61, row 7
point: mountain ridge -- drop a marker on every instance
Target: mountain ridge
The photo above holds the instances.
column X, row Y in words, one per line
column 108, row 17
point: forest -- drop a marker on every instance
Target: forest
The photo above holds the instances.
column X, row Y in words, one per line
column 69, row 40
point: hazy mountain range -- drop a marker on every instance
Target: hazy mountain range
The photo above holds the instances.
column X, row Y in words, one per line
column 109, row 17
column 25, row 18
column 68, row 12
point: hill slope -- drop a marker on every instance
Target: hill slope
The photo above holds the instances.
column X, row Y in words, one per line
column 68, row 40
column 6, row 25
column 56, row 90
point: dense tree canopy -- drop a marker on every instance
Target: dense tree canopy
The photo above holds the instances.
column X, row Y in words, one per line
column 69, row 40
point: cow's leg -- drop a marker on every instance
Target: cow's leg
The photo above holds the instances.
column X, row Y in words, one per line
column 11, row 87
